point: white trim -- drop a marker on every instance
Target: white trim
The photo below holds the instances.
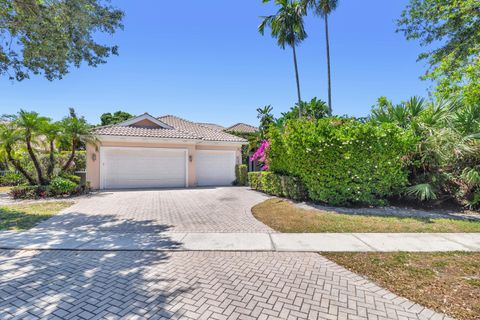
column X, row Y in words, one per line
column 102, row 160
column 168, row 140
column 145, row 116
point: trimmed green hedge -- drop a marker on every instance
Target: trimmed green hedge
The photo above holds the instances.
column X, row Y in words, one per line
column 342, row 161
column 241, row 172
column 277, row 185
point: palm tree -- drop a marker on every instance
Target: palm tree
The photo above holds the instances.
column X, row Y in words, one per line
column 51, row 132
column 30, row 123
column 288, row 28
column 10, row 136
column 324, row 8
column 77, row 132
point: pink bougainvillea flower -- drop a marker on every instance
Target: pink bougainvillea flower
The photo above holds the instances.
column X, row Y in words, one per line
column 261, row 154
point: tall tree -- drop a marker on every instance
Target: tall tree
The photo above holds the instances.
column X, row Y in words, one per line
column 51, row 131
column 324, row 8
column 450, row 32
column 77, row 131
column 287, row 26
column 31, row 124
column 117, row 117
column 49, row 36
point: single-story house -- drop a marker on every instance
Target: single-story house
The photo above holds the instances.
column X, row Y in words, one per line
column 149, row 152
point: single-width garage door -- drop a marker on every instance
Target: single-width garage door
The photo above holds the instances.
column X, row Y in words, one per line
column 215, row 167
column 142, row 168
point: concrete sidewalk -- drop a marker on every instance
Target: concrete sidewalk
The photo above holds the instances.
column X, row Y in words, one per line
column 38, row 239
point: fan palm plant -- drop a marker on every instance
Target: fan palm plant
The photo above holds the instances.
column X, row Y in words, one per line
column 287, row 26
column 323, row 8
column 447, row 156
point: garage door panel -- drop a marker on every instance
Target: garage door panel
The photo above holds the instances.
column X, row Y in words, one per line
column 143, row 168
column 215, row 167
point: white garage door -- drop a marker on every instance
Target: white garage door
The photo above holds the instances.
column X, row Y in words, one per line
column 142, row 168
column 215, row 167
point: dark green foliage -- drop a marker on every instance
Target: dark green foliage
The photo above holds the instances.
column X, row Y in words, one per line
column 342, row 161
column 314, row 109
column 117, row 117
column 241, row 171
column 446, row 161
column 61, row 186
column 48, row 37
column 12, row 179
column 277, row 185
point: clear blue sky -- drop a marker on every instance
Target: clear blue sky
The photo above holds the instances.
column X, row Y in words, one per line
column 205, row 61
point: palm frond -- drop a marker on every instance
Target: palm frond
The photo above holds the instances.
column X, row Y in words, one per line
column 422, row 192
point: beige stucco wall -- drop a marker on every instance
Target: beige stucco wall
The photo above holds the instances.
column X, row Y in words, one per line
column 93, row 166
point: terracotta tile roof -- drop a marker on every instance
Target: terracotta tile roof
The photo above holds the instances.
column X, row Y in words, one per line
column 213, row 126
column 204, row 132
column 243, row 128
column 181, row 129
column 115, row 130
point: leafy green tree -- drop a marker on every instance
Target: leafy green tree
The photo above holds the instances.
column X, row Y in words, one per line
column 76, row 130
column 450, row 31
column 117, row 117
column 49, row 36
column 323, row 8
column 30, row 124
column 287, row 26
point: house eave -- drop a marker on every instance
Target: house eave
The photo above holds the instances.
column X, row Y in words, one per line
column 111, row 138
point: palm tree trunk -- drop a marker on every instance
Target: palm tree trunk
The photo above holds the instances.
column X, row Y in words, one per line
column 51, row 164
column 328, row 66
column 41, row 180
column 72, row 156
column 298, row 81
column 19, row 168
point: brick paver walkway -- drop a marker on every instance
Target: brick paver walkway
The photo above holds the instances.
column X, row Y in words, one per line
column 179, row 210
column 190, row 285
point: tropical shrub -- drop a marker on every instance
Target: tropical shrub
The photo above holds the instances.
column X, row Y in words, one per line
column 28, row 192
column 446, row 161
column 11, row 179
column 342, row 161
column 33, row 145
column 241, row 172
column 277, row 185
column 61, row 186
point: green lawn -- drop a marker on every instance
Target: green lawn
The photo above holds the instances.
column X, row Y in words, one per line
column 446, row 282
column 20, row 217
column 283, row 216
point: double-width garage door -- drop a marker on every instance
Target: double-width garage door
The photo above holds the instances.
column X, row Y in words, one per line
column 125, row 168
column 143, row 168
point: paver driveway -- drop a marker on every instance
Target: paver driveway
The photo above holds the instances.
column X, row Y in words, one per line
column 176, row 210
column 190, row 285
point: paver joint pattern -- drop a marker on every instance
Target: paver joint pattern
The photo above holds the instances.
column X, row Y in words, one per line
column 190, row 285
column 224, row 209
